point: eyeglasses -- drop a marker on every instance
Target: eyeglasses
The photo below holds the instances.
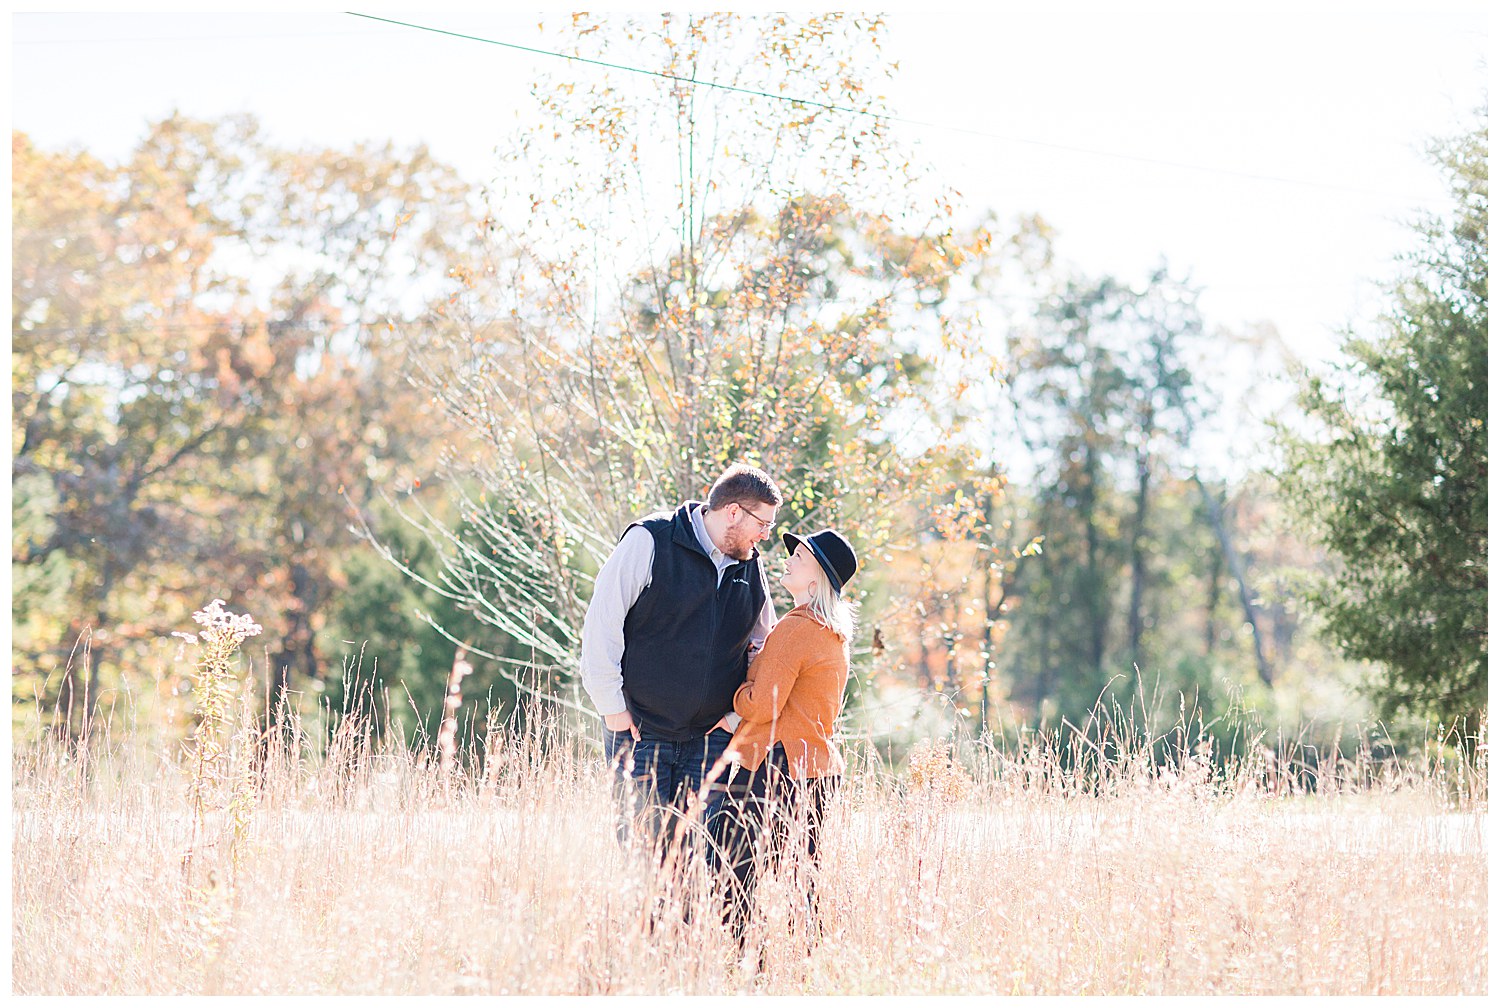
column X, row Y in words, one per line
column 765, row 525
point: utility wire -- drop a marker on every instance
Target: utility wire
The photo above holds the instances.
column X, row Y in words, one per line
column 886, row 117
column 632, row 69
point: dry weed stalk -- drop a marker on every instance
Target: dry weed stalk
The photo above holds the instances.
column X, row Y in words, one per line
column 452, row 700
column 213, row 693
column 244, row 781
column 214, row 770
column 930, row 771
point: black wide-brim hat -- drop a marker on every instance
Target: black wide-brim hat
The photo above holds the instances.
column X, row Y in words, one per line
column 833, row 553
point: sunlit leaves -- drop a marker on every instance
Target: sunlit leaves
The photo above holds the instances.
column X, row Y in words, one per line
column 697, row 285
column 194, row 367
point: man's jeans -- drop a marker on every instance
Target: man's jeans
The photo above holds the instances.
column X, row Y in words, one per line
column 660, row 787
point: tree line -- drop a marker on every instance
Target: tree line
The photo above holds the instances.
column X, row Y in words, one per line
column 391, row 414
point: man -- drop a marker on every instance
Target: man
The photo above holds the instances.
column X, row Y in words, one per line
column 678, row 609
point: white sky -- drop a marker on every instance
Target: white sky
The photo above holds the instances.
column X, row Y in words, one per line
column 1133, row 132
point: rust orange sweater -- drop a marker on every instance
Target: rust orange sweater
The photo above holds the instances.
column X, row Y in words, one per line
column 792, row 695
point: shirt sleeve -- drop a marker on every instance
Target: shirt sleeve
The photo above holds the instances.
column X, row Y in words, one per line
column 763, row 624
column 621, row 580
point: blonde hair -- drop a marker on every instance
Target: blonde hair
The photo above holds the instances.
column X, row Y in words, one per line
column 831, row 609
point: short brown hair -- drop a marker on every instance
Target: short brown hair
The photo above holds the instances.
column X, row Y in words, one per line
column 743, row 484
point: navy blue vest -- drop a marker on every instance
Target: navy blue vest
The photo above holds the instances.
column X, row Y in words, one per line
column 688, row 635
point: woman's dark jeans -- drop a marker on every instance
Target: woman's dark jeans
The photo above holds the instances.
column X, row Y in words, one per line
column 769, row 819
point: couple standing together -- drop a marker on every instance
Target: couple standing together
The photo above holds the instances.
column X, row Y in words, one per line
column 706, row 696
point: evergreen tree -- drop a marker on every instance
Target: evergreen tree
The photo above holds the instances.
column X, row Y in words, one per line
column 1392, row 479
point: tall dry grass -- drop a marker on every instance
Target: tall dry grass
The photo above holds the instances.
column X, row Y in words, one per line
column 364, row 869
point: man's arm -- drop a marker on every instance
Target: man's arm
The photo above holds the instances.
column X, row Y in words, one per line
column 620, row 582
column 758, row 634
column 763, row 624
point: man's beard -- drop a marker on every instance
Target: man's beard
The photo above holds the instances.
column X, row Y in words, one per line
column 740, row 549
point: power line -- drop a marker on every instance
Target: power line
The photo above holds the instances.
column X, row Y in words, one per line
column 887, row 117
column 632, row 69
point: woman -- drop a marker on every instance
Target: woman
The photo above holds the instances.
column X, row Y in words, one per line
column 788, row 765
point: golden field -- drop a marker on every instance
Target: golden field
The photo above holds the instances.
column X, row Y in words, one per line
column 355, row 871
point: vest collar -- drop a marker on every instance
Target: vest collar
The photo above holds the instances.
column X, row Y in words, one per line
column 684, row 535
